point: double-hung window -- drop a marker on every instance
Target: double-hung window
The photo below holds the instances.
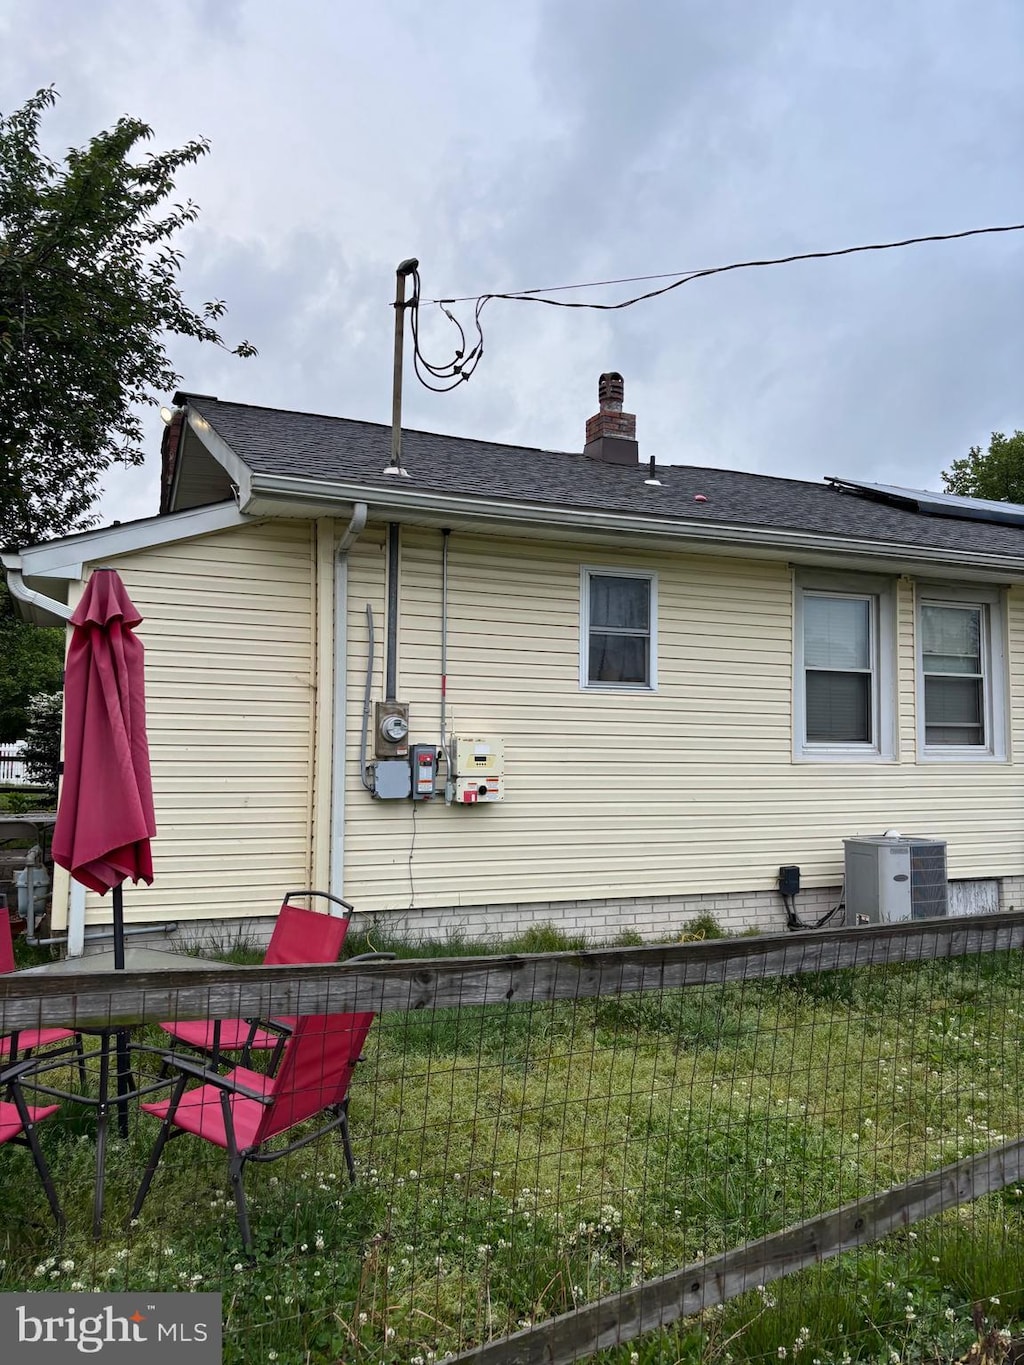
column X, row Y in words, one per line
column 618, row 620
column 960, row 673
column 843, row 668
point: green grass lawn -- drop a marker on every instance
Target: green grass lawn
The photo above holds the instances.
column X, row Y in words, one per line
column 518, row 1161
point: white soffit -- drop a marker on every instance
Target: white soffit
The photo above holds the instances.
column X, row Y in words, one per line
column 65, row 558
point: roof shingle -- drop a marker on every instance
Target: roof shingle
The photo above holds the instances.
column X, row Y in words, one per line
column 337, row 449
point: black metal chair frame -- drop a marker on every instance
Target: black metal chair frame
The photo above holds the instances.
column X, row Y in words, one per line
column 10, row 1079
column 103, row 1101
column 237, row 1156
column 75, row 1045
column 277, row 1026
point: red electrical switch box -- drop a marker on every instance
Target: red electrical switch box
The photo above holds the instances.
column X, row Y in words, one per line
column 423, row 761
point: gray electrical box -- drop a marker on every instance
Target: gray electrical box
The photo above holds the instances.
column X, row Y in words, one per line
column 392, row 780
column 893, row 878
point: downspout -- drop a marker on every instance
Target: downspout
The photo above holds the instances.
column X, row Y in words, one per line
column 75, row 934
column 36, row 599
column 76, row 919
column 348, row 539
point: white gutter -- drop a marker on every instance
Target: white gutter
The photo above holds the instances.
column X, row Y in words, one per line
column 392, row 501
column 348, row 539
column 66, row 558
column 42, row 610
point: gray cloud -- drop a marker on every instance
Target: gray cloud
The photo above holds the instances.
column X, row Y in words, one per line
column 580, row 141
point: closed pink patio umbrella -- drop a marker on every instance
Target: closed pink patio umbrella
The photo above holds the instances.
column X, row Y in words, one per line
column 105, row 819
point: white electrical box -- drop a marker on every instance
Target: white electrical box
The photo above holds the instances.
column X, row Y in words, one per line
column 479, row 766
column 895, row 877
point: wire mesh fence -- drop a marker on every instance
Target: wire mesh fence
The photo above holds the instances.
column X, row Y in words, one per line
column 803, row 1147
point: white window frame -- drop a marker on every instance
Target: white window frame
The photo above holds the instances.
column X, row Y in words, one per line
column 599, row 571
column 881, row 595
column 993, row 662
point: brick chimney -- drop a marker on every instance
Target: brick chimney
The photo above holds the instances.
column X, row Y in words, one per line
column 611, row 433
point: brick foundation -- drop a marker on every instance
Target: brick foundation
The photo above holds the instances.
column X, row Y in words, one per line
column 653, row 918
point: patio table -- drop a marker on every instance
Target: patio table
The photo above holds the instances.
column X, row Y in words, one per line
column 139, row 960
column 41, row 821
column 37, row 824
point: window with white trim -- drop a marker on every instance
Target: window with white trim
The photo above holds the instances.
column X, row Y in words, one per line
column 843, row 699
column 960, row 668
column 618, row 621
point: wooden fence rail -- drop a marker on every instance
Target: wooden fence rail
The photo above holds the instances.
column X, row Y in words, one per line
column 622, row 1317
column 68, row 999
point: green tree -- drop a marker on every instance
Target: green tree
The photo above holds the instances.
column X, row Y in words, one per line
column 42, row 740
column 88, row 297
column 996, row 473
column 31, row 661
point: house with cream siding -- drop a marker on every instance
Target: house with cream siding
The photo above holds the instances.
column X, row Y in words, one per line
column 501, row 686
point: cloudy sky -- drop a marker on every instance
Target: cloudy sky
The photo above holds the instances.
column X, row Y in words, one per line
column 552, row 142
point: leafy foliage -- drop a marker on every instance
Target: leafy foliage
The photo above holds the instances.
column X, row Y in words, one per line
column 996, row 473
column 42, row 740
column 33, row 659
column 88, row 294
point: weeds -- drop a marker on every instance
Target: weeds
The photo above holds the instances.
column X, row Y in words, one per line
column 702, row 927
column 521, row 1160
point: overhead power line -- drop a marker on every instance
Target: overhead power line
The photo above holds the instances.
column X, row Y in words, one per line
column 683, row 276
column 464, row 363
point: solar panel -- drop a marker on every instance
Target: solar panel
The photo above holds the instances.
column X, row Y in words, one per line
column 937, row 504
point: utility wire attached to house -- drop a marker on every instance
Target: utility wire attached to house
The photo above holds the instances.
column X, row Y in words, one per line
column 442, row 378
column 452, row 373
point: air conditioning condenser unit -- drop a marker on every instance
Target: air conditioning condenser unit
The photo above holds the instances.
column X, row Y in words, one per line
column 895, row 877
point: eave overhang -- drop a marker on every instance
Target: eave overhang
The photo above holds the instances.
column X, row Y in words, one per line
column 277, row 495
column 262, row 494
column 38, row 576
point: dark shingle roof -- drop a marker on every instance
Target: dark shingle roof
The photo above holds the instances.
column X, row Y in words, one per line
column 274, row 441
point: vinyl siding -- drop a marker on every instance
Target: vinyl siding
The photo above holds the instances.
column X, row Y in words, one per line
column 906, row 670
column 690, row 789
column 228, row 631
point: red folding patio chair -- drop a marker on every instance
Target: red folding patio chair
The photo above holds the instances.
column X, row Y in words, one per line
column 25, row 1041
column 299, row 936
column 18, row 1121
column 243, row 1110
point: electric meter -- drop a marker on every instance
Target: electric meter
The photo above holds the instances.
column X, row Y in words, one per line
column 392, row 729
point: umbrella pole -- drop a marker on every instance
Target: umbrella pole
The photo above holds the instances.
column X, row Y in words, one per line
column 124, row 1075
column 118, row 928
